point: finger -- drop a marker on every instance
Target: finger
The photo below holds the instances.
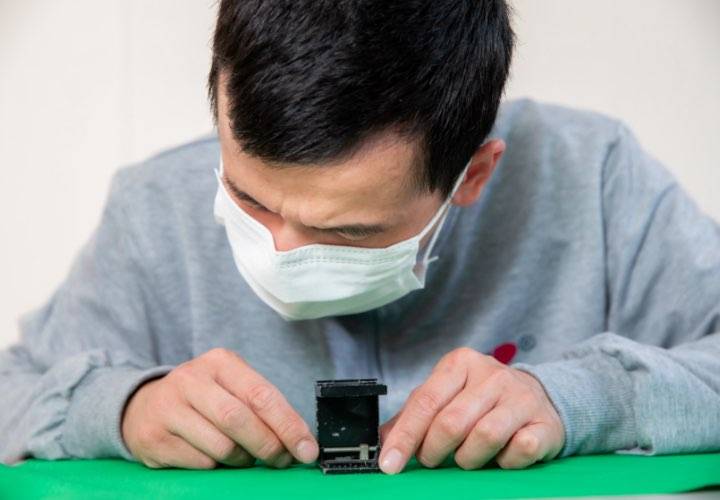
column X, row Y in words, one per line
column 453, row 424
column 385, row 428
column 190, row 425
column 268, row 403
column 489, row 435
column 234, row 419
column 530, row 444
column 417, row 414
column 174, row 451
column 282, row 461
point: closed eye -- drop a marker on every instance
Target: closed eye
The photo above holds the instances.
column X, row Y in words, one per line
column 255, row 205
column 354, row 233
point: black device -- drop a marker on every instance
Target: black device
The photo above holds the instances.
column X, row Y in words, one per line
column 347, row 425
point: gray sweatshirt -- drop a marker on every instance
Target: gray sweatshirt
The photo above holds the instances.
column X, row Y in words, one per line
column 584, row 263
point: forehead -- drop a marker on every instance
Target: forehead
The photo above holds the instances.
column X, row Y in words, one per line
column 378, row 178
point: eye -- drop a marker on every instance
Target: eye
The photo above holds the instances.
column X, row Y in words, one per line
column 255, row 206
column 354, row 235
column 351, row 237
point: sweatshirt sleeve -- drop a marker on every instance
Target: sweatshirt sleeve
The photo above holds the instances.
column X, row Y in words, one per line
column 650, row 383
column 80, row 356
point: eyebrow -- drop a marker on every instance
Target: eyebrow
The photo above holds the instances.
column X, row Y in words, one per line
column 351, row 229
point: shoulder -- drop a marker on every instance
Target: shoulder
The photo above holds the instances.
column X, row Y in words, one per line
column 173, row 175
column 525, row 117
column 165, row 202
column 535, row 130
column 558, row 146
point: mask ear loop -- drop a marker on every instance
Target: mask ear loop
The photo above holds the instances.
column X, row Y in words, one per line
column 219, row 172
column 218, row 175
column 443, row 213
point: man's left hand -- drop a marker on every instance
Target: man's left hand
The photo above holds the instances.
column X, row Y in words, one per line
column 479, row 408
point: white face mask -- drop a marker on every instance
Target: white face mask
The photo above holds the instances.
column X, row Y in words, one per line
column 320, row 280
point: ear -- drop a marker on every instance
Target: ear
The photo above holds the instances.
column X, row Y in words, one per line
column 482, row 165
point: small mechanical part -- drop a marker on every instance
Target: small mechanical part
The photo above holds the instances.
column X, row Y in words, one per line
column 347, row 421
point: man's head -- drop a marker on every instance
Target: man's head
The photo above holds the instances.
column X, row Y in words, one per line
column 348, row 121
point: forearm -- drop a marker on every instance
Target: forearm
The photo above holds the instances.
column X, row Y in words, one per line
column 616, row 394
column 70, row 410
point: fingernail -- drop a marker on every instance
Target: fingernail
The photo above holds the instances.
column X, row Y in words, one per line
column 392, row 463
column 307, row 450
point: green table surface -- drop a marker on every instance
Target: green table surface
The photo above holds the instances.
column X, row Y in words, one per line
column 612, row 474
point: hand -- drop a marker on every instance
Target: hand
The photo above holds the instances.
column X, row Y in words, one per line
column 478, row 407
column 214, row 409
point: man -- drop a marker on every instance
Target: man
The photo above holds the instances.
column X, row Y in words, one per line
column 529, row 283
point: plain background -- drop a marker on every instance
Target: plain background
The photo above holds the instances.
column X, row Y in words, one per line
column 88, row 86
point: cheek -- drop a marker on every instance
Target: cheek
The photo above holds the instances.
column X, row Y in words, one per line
column 271, row 221
column 420, row 221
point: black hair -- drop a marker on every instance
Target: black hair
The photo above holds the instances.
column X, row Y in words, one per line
column 308, row 81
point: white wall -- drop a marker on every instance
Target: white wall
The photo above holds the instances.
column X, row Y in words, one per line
column 87, row 86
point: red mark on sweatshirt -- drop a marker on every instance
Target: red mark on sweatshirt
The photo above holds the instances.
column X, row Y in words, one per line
column 505, row 352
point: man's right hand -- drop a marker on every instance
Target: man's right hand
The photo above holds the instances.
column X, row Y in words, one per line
column 214, row 409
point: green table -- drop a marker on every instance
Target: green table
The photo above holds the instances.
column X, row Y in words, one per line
column 611, row 474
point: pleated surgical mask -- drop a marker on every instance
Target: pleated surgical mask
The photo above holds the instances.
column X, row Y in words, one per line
column 319, row 280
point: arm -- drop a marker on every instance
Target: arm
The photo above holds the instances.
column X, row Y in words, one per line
column 81, row 355
column 651, row 382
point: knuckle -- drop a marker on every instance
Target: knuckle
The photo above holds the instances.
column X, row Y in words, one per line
column 183, row 373
column 150, row 463
column 488, row 435
column 504, row 462
column 451, row 424
column 465, row 353
column 148, row 437
column 291, row 428
column 529, row 400
column 501, row 377
column 204, row 462
column 261, row 397
column 413, row 394
column 403, row 439
column 528, row 445
column 219, row 353
column 232, row 417
column 463, row 462
column 509, row 463
column 427, row 402
column 223, row 448
column 270, row 449
column 165, row 401
column 163, row 438
column 425, row 461
column 460, row 356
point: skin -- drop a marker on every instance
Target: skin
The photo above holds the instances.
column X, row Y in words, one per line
column 478, row 408
column 215, row 409
column 374, row 187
